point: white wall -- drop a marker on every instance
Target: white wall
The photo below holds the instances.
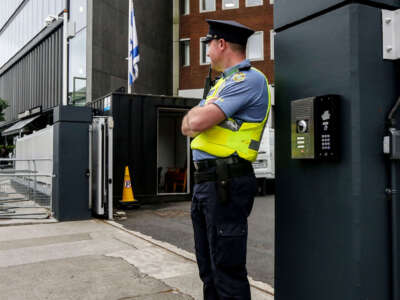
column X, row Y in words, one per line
column 195, row 93
column 38, row 145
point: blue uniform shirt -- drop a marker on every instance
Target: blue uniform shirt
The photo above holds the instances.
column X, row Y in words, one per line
column 244, row 98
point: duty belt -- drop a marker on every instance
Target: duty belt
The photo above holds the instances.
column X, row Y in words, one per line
column 203, row 165
column 225, row 168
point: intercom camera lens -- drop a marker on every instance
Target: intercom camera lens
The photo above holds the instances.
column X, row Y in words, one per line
column 302, row 126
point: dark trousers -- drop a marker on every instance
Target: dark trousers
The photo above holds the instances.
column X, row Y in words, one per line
column 220, row 235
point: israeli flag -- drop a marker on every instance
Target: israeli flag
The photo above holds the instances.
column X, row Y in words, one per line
column 133, row 60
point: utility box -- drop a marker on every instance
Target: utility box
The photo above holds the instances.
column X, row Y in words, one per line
column 148, row 139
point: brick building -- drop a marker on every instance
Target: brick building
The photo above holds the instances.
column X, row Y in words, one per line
column 194, row 64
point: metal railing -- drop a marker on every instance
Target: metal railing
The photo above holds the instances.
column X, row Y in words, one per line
column 25, row 188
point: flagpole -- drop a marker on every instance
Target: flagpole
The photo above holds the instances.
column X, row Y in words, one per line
column 129, row 47
column 134, row 57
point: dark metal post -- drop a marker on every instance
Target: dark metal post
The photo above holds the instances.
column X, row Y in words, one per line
column 333, row 228
column 394, row 166
column 71, row 162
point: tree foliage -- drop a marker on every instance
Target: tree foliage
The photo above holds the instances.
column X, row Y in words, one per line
column 3, row 106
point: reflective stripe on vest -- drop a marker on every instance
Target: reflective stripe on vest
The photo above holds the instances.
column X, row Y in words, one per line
column 226, row 138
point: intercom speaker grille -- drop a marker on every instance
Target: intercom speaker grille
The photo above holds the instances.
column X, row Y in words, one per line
column 303, row 109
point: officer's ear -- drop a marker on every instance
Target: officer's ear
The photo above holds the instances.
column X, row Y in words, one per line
column 221, row 44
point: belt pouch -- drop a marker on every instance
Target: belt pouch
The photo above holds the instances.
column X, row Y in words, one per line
column 223, row 183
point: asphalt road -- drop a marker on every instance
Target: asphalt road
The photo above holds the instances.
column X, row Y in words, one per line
column 170, row 222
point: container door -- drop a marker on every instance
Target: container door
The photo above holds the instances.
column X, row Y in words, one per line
column 173, row 153
column 100, row 189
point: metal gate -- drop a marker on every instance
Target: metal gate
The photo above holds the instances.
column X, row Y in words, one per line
column 25, row 188
column 101, row 166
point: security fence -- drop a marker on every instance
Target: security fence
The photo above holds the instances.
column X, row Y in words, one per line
column 25, row 189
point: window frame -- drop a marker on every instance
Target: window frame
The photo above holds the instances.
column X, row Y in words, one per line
column 272, row 92
column 76, row 60
column 201, row 52
column 262, row 45
column 204, row 11
column 180, row 57
column 254, row 5
column 187, row 10
column 272, row 34
column 235, row 7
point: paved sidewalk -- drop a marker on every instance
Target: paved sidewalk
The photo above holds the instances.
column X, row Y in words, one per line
column 95, row 260
column 171, row 222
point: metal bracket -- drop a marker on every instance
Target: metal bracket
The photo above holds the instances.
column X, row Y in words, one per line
column 391, row 34
column 391, row 192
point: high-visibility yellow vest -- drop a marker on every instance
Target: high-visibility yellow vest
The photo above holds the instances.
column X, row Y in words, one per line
column 224, row 139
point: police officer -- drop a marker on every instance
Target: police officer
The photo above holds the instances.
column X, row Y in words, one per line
column 227, row 128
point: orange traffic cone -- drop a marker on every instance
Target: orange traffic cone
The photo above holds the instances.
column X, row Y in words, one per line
column 127, row 194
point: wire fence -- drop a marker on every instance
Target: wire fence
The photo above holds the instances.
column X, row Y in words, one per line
column 25, row 188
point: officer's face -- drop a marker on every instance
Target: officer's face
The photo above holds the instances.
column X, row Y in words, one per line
column 214, row 52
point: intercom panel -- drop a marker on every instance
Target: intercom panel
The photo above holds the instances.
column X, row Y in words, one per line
column 314, row 128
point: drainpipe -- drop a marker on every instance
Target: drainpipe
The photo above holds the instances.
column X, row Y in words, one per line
column 65, row 57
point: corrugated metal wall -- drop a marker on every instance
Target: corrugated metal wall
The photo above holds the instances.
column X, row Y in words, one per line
column 36, row 79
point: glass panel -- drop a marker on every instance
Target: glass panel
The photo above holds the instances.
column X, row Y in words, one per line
column 78, row 9
column 27, row 23
column 254, row 2
column 185, row 53
column 255, row 46
column 208, row 60
column 207, row 5
column 184, row 6
column 204, row 59
column 272, row 40
column 228, row 4
column 77, row 69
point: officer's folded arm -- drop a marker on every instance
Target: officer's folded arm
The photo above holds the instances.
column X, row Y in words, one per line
column 201, row 118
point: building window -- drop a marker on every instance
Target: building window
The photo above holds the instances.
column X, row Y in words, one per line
column 78, row 13
column 255, row 46
column 254, row 2
column 271, row 118
column 207, row 5
column 184, row 52
column 185, row 7
column 230, row 4
column 271, row 43
column 204, row 59
column 272, row 93
column 77, row 69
